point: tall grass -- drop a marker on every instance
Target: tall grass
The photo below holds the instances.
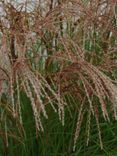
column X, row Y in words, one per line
column 58, row 58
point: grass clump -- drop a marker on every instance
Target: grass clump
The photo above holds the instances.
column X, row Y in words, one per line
column 60, row 54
